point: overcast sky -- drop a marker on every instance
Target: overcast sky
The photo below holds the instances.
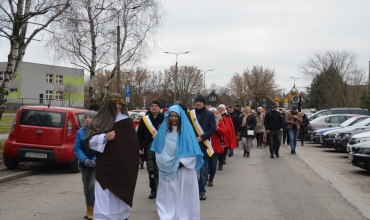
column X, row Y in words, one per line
column 230, row 36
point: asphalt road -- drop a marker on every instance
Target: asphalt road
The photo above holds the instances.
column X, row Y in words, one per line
column 289, row 187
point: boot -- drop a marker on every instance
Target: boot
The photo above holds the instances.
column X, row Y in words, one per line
column 87, row 211
column 91, row 213
column 210, row 182
column 247, row 153
column 301, row 143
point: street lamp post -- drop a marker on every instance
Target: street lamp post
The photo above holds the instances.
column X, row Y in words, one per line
column 294, row 78
column 176, row 72
column 204, row 76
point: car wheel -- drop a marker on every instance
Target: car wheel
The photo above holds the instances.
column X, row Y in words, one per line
column 73, row 167
column 11, row 163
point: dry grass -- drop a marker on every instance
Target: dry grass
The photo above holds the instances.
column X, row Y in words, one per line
column 2, row 143
column 6, row 124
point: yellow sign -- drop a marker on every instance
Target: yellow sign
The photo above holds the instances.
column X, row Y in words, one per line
column 286, row 100
column 250, row 104
column 276, row 99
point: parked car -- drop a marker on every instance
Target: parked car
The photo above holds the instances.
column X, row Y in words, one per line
column 43, row 134
column 358, row 138
column 327, row 121
column 360, row 155
column 315, row 137
column 336, row 111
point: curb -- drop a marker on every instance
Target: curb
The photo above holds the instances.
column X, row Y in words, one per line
column 20, row 174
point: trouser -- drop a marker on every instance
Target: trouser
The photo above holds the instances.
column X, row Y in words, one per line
column 302, row 135
column 275, row 140
column 144, row 155
column 213, row 165
column 247, row 143
column 268, row 139
column 226, row 151
column 293, row 134
column 88, row 181
column 203, row 174
column 285, row 133
column 231, row 151
column 287, row 137
column 152, row 184
column 259, row 137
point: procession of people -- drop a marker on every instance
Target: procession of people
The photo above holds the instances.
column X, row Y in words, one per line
column 182, row 149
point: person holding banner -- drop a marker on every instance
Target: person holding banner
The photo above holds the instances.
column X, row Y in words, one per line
column 178, row 159
column 204, row 124
column 147, row 129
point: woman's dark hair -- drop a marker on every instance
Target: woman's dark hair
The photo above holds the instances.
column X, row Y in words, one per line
column 169, row 125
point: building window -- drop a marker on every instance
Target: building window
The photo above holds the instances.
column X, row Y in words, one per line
column 59, row 95
column 49, row 78
column 2, row 75
column 212, row 98
column 13, row 90
column 49, row 94
column 59, row 79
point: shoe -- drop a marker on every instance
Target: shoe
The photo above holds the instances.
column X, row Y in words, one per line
column 224, row 162
column 90, row 215
column 271, row 156
column 302, row 144
column 142, row 166
column 152, row 195
column 87, row 211
column 202, row 196
column 277, row 155
column 247, row 154
column 210, row 182
column 230, row 155
column 292, row 152
column 220, row 167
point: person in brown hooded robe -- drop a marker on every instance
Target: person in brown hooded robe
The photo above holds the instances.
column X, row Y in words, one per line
column 112, row 135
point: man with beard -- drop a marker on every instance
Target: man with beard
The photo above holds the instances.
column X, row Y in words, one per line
column 146, row 131
column 204, row 124
column 274, row 127
column 112, row 135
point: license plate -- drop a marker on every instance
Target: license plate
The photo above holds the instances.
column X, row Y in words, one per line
column 35, row 155
column 350, row 156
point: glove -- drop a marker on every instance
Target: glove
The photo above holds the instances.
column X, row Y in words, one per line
column 92, row 163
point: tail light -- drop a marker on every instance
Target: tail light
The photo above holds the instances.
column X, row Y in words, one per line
column 69, row 130
column 14, row 124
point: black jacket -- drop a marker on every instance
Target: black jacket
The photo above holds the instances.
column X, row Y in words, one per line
column 251, row 124
column 235, row 119
column 273, row 121
column 143, row 133
column 207, row 121
column 305, row 123
column 285, row 128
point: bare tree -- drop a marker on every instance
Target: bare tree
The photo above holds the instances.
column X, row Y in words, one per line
column 20, row 22
column 91, row 40
column 254, row 84
column 187, row 80
column 70, row 93
column 341, row 81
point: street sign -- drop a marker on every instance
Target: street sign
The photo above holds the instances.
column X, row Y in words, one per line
column 276, row 99
column 250, row 101
column 127, row 99
column 127, row 91
column 192, row 99
column 250, row 104
column 286, row 100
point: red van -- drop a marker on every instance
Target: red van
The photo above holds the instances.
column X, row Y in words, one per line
column 43, row 134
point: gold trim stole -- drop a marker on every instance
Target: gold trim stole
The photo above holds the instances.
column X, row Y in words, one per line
column 149, row 125
column 200, row 131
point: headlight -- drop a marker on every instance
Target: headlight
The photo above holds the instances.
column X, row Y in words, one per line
column 363, row 150
column 363, row 140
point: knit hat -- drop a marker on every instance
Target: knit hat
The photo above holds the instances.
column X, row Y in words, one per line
column 222, row 106
column 90, row 113
column 155, row 102
column 259, row 108
column 200, row 98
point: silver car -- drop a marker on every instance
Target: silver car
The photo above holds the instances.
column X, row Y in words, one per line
column 327, row 121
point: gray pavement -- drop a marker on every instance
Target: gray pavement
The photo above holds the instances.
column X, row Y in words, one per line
column 248, row 188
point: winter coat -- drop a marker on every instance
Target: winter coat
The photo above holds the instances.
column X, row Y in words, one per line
column 250, row 125
column 235, row 119
column 206, row 120
column 260, row 120
column 273, row 121
column 81, row 151
column 151, row 163
column 230, row 137
column 218, row 137
column 305, row 123
column 143, row 133
column 289, row 120
column 285, row 128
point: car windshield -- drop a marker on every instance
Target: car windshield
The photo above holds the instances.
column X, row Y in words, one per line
column 351, row 120
column 365, row 122
column 42, row 118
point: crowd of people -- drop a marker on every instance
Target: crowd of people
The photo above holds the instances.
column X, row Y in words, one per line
column 182, row 149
